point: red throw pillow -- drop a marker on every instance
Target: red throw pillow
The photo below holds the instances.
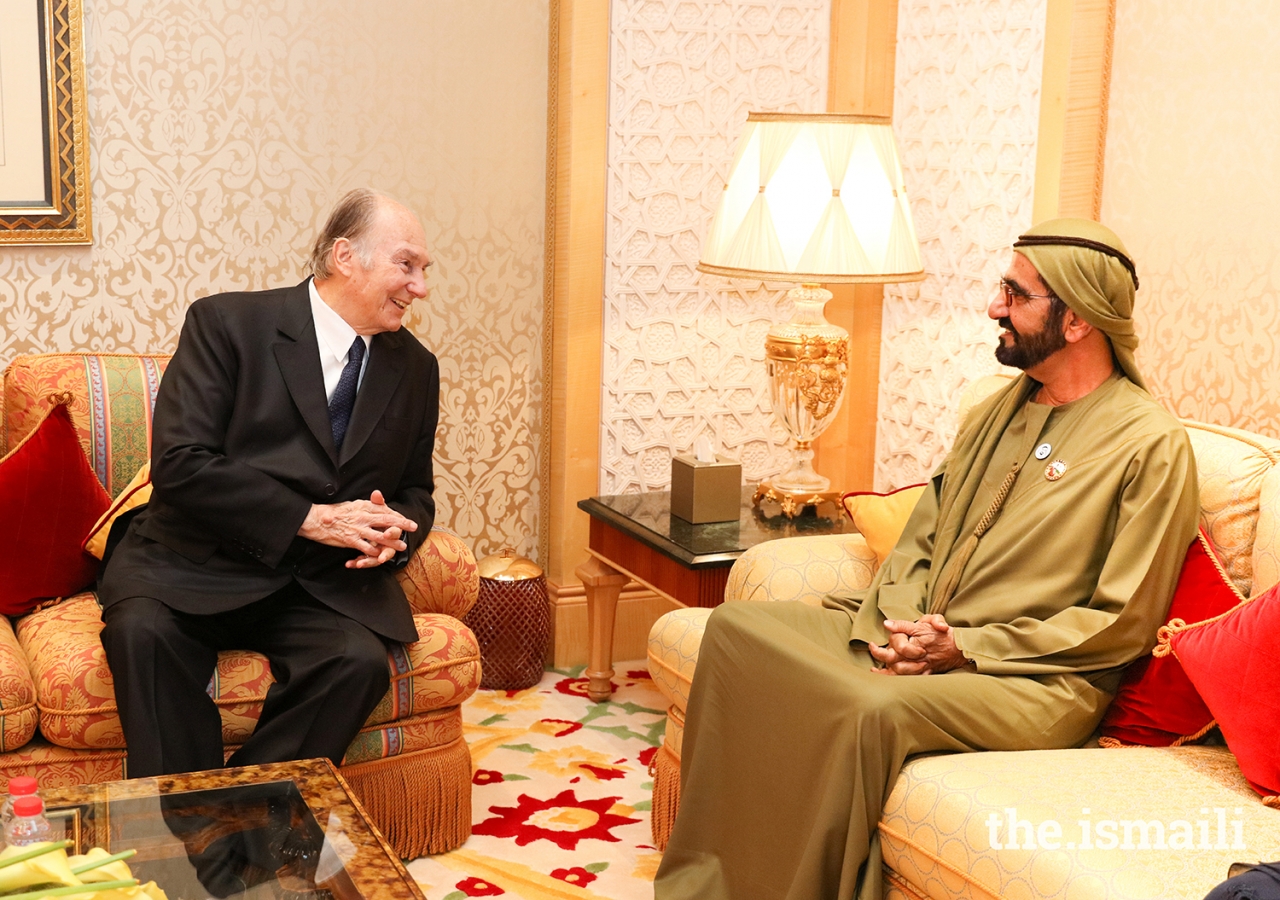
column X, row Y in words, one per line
column 1234, row 664
column 49, row 499
column 1157, row 705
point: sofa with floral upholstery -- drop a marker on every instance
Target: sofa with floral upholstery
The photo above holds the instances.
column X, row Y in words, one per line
column 936, row 829
column 409, row 765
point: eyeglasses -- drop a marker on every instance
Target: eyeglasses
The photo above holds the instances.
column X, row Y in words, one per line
column 1013, row 292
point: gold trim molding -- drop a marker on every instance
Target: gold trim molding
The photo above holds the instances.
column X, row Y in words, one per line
column 807, row 277
column 549, row 281
column 1071, row 145
column 577, row 132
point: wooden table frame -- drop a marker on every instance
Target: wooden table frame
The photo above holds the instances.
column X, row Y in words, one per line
column 623, row 548
column 670, row 571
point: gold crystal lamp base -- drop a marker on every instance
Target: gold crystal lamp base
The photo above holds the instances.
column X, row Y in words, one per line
column 808, row 365
column 792, row 503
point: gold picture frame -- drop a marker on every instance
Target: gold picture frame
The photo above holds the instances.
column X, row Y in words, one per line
column 44, row 142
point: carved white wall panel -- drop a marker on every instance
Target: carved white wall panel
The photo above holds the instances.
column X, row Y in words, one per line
column 221, row 133
column 966, row 112
column 684, row 352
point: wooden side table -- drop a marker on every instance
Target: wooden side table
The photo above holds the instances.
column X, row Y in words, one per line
column 634, row 537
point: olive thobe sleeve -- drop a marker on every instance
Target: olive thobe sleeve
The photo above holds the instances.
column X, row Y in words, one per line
column 904, row 583
column 1154, row 523
column 1076, row 573
column 900, row 588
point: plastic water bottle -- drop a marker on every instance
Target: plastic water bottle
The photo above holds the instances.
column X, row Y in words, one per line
column 29, row 826
column 22, row 786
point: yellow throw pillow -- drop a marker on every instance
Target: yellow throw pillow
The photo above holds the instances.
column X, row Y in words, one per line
column 880, row 518
column 135, row 493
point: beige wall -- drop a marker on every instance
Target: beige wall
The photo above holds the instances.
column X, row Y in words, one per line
column 220, row 135
column 1192, row 186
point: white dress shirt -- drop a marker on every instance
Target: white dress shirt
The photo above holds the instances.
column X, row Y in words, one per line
column 334, row 336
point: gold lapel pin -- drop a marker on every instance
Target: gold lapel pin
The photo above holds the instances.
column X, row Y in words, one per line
column 1054, row 470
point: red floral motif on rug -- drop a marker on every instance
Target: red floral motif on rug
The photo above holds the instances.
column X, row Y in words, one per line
column 556, row 727
column 564, row 820
column 577, row 875
column 603, row 773
column 539, row 742
column 576, row 687
column 477, row 887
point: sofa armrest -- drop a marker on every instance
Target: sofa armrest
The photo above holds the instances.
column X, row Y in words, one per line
column 18, row 713
column 674, row 642
column 803, row 568
column 441, row 577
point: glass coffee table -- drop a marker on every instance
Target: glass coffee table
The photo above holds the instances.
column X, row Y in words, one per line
column 636, row 537
column 286, row 831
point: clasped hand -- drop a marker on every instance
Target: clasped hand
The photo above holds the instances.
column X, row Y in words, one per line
column 923, row 647
column 370, row 526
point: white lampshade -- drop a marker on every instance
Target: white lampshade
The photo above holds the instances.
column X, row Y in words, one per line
column 814, row 197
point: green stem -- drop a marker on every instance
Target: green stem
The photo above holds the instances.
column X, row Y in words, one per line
column 99, row 863
column 74, row 889
column 32, row 854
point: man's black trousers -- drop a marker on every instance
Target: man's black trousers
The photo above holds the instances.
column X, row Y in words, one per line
column 330, row 673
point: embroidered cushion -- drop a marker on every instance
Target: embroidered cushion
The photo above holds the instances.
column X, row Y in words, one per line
column 113, row 395
column 76, row 691
column 58, row 767
column 441, row 577
column 18, row 714
column 880, row 518
column 1233, row 662
column 135, row 494
column 1235, row 468
column 50, row 499
column 419, row 732
column 1157, row 705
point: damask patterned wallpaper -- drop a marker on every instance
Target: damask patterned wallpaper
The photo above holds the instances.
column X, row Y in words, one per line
column 220, row 135
column 966, row 114
column 684, row 352
column 1192, row 186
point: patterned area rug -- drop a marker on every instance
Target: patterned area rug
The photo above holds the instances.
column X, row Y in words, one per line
column 560, row 793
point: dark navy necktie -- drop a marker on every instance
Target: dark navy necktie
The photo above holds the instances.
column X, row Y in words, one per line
column 344, row 395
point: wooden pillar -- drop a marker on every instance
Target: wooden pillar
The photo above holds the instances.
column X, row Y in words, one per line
column 860, row 80
column 1074, row 90
column 576, row 161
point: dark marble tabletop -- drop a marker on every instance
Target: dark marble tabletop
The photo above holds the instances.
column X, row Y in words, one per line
column 647, row 517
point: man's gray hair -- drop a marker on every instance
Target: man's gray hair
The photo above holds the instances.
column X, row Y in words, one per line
column 351, row 219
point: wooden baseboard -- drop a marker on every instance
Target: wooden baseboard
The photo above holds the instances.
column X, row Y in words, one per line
column 638, row 609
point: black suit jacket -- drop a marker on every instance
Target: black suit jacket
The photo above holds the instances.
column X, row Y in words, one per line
column 242, row 447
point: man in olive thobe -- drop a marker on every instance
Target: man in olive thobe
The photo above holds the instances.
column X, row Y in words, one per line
column 1040, row 560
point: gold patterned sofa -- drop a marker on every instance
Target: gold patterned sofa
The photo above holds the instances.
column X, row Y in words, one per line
column 935, row 830
column 409, row 765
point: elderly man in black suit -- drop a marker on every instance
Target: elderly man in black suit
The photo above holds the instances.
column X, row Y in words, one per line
column 291, row 473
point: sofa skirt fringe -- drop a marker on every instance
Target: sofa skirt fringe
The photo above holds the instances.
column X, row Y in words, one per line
column 666, row 795
column 420, row 800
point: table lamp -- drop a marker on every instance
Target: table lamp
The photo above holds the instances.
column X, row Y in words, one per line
column 811, row 198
